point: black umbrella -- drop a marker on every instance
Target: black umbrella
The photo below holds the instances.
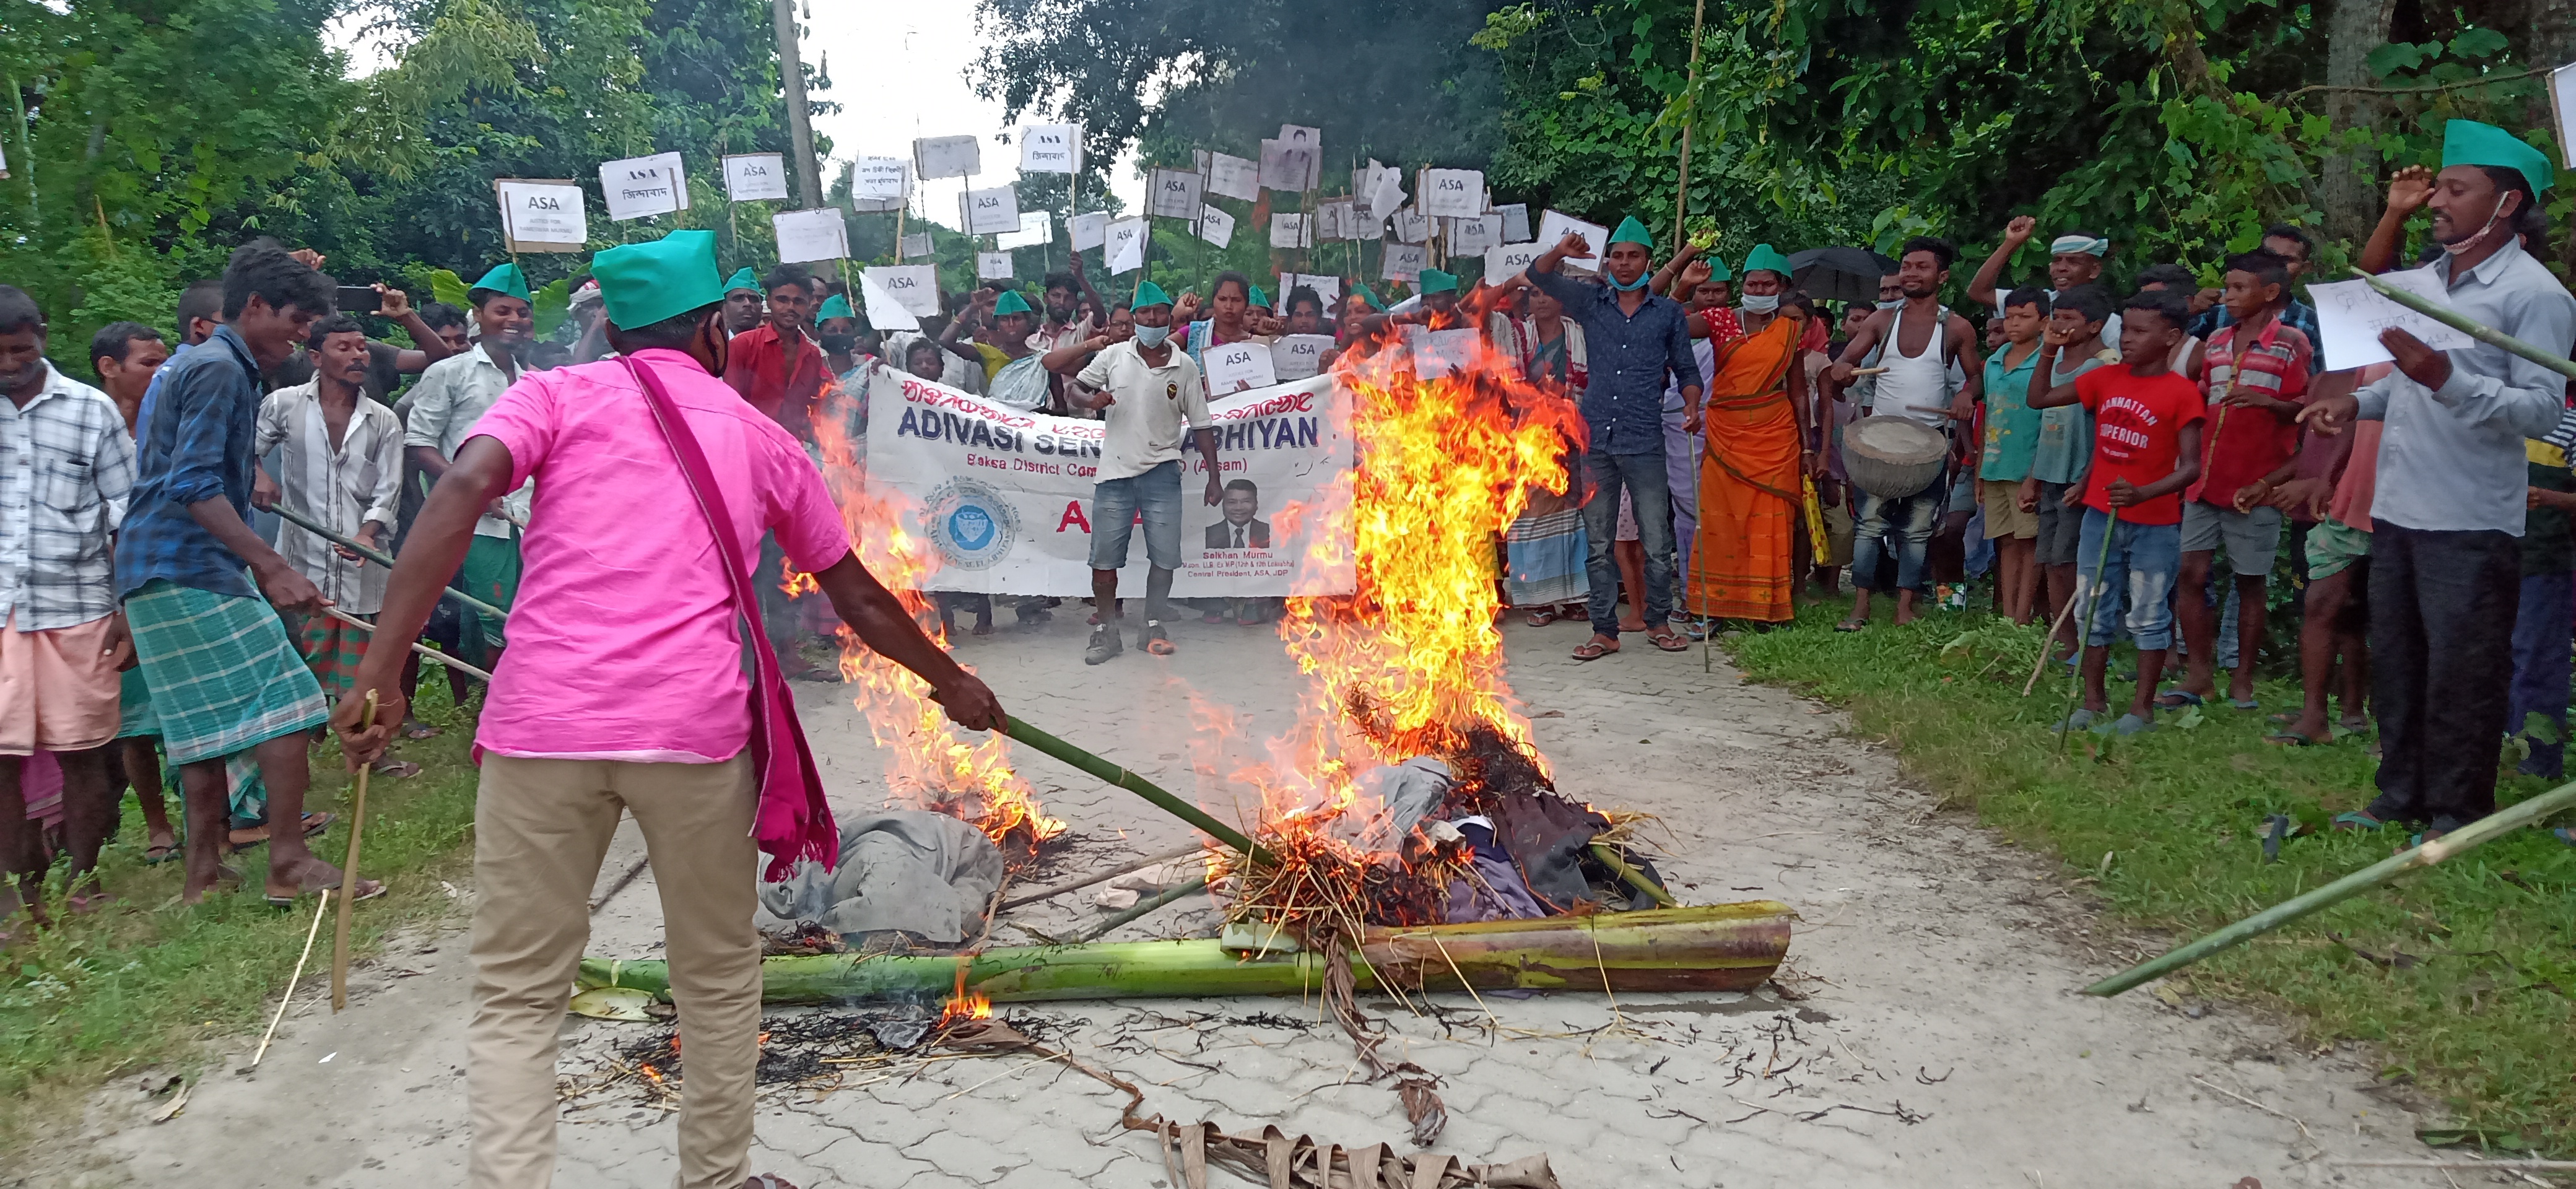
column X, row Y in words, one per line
column 1839, row 274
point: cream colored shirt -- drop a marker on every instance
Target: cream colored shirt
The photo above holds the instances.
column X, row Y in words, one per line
column 343, row 487
column 1152, row 407
column 440, row 412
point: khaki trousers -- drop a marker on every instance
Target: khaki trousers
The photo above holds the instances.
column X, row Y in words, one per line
column 541, row 829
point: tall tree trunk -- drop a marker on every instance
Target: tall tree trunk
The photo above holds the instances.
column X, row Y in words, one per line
column 2346, row 192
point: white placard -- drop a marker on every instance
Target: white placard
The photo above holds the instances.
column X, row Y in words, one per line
column 1404, row 262
column 989, row 212
column 1297, row 356
column 2562, row 99
column 1412, row 226
column 753, row 177
column 1333, row 220
column 542, row 216
column 992, row 266
column 1287, row 169
column 1237, row 367
column 1470, row 236
column 881, row 178
column 1089, row 231
column 1051, row 148
column 1328, row 288
column 2350, row 315
column 914, row 288
column 1453, row 193
column 1437, row 353
column 1289, row 231
column 808, row 236
column 1124, row 247
column 639, row 186
column 947, row 157
column 916, row 245
column 1552, row 227
column 1215, row 226
column 1385, row 192
column 1516, row 228
column 1505, row 261
column 1172, row 194
column 1233, row 177
column 885, row 310
column 1036, row 227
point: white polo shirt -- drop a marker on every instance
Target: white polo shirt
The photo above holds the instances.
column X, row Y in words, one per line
column 1151, row 408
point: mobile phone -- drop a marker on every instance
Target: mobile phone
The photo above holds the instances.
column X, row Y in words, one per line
column 359, row 299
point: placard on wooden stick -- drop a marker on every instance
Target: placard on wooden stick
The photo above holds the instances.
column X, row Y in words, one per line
column 810, row 235
column 947, row 157
column 637, row 187
column 542, row 215
column 755, row 177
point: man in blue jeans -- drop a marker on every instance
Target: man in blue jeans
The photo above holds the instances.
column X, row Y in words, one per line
column 1634, row 340
column 1149, row 391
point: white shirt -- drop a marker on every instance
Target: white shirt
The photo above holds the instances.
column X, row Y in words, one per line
column 66, row 472
column 1150, row 408
column 342, row 487
column 440, row 412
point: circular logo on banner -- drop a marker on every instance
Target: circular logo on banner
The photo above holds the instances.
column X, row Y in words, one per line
column 973, row 525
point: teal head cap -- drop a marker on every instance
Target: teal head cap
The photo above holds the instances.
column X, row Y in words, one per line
column 1433, row 281
column 1717, row 269
column 835, row 306
column 742, row 279
column 1631, row 232
column 1010, row 302
column 1368, row 295
column 2468, row 142
column 1147, row 294
column 1258, row 299
column 645, row 283
column 504, row 279
column 1767, row 259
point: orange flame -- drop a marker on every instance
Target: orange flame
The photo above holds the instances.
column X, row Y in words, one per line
column 929, row 761
column 963, row 1005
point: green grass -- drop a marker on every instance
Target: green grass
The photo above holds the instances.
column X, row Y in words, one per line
column 146, row 981
column 2480, row 1019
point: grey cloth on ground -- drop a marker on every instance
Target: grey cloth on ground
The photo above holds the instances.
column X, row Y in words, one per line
column 1407, row 793
column 927, row 874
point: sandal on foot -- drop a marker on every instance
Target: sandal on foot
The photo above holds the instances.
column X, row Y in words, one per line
column 2080, row 720
column 419, row 730
column 1540, row 617
column 2176, row 699
column 368, row 889
column 159, row 853
column 2243, row 704
column 1670, row 640
column 1155, row 641
column 1851, row 625
column 1593, row 649
column 2290, row 739
column 2130, row 724
column 2354, row 820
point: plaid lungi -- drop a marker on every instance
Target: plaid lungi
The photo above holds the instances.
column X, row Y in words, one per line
column 134, row 707
column 331, row 649
column 221, row 672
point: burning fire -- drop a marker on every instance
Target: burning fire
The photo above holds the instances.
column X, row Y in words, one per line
column 928, row 760
column 962, row 1005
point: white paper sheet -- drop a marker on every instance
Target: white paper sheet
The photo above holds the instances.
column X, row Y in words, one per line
column 913, row 287
column 1237, row 367
column 989, row 212
column 1172, row 194
column 1505, row 261
column 1516, row 227
column 1215, row 226
column 1288, row 230
column 1386, row 193
column 640, row 186
column 881, row 178
column 1233, row 177
column 916, row 245
column 1297, row 356
column 2562, row 98
column 1089, row 231
column 751, row 177
column 1051, row 148
column 1125, row 246
column 1036, row 227
column 808, row 236
column 947, row 157
column 1328, row 288
column 2350, row 315
column 1552, row 227
column 885, row 311
column 1453, row 193
column 1412, row 226
column 1437, row 353
column 992, row 266
column 1404, row 262
column 1468, row 237
column 553, row 214
column 1289, row 168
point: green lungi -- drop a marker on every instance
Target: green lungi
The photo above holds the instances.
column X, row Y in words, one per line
column 221, row 673
column 490, row 573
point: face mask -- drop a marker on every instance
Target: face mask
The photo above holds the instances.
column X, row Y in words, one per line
column 1150, row 337
column 1762, row 303
column 840, row 344
column 1893, row 303
column 2474, row 240
column 1631, row 287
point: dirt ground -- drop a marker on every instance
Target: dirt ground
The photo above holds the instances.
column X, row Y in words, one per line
column 1937, row 1039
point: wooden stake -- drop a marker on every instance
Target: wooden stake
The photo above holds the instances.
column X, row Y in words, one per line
column 349, row 878
column 433, row 655
column 1681, row 201
column 289, row 997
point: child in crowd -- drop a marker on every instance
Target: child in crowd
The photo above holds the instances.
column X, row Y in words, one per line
column 2253, row 373
column 2054, row 489
column 2146, row 452
column 2012, row 438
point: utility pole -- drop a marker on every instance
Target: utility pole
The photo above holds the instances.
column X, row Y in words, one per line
column 791, row 70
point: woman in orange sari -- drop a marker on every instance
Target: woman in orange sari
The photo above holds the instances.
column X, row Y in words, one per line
column 1749, row 479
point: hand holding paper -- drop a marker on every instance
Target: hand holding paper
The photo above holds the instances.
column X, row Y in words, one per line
column 2351, row 316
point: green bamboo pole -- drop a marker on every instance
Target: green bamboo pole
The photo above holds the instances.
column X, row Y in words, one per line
column 2471, row 327
column 1142, row 907
column 2459, row 841
column 1609, row 857
column 386, row 560
column 1114, row 774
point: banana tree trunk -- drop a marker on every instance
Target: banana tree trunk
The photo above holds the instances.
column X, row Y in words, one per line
column 1722, row 947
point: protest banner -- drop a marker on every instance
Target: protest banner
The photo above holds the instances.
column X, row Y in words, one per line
column 1298, row 356
column 1289, row 231
column 542, row 215
column 808, row 236
column 1006, row 496
column 1404, row 262
column 1509, row 260
column 1088, row 231
column 755, row 177
column 992, row 266
column 1412, row 226
column 1554, row 225
column 1215, row 226
column 1453, row 193
column 947, row 157
column 1437, row 353
column 879, row 185
column 1124, row 246
column 1337, row 219
column 989, row 212
column 1467, row 237
column 1051, row 148
column 1516, row 224
column 1238, row 367
column 1328, row 288
column 1173, row 194
column 916, row 245
column 1036, row 227
column 913, row 286
column 886, row 312
column 637, row 187
column 1385, row 193
column 1233, row 177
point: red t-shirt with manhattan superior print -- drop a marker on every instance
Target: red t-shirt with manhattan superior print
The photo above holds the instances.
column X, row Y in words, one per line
column 2137, row 436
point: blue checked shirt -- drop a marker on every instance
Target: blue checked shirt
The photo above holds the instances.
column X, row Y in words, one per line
column 197, row 436
column 1629, row 358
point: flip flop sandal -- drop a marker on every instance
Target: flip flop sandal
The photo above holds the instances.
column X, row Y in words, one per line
column 2290, row 739
column 1851, row 625
column 154, row 856
column 2246, row 704
column 2282, row 719
column 398, row 769
column 2130, row 724
column 1542, row 617
column 417, row 730
column 315, row 823
column 767, row 1180
column 2176, row 699
column 1671, row 641
column 368, row 889
column 1593, row 650
column 2080, row 720
column 2354, row 821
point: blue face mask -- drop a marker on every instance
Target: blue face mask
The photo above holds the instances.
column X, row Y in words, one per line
column 1150, row 337
column 1762, row 303
column 1630, row 287
column 1894, row 303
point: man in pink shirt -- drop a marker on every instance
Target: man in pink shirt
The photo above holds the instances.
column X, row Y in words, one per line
column 624, row 686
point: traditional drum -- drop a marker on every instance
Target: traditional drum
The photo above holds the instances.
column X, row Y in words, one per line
column 1891, row 457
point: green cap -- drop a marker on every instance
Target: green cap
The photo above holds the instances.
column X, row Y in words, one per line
column 505, row 279
column 1368, row 295
column 1147, row 294
column 743, row 278
column 2468, row 142
column 1011, row 303
column 1258, row 298
column 1433, row 281
column 1630, row 232
column 1717, row 269
column 1768, row 259
column 645, row 283
column 835, row 306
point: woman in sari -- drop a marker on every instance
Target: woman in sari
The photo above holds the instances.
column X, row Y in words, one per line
column 1750, row 493
column 1544, row 552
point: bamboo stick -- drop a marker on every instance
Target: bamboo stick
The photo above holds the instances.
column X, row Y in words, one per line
column 1142, row 907
column 386, row 560
column 349, row 877
column 434, row 655
column 2466, row 838
column 2471, row 327
column 1609, row 857
column 1722, row 947
column 1051, row 891
column 309, row 934
column 1019, row 729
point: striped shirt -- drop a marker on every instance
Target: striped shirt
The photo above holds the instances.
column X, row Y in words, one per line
column 66, row 472
column 343, row 487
